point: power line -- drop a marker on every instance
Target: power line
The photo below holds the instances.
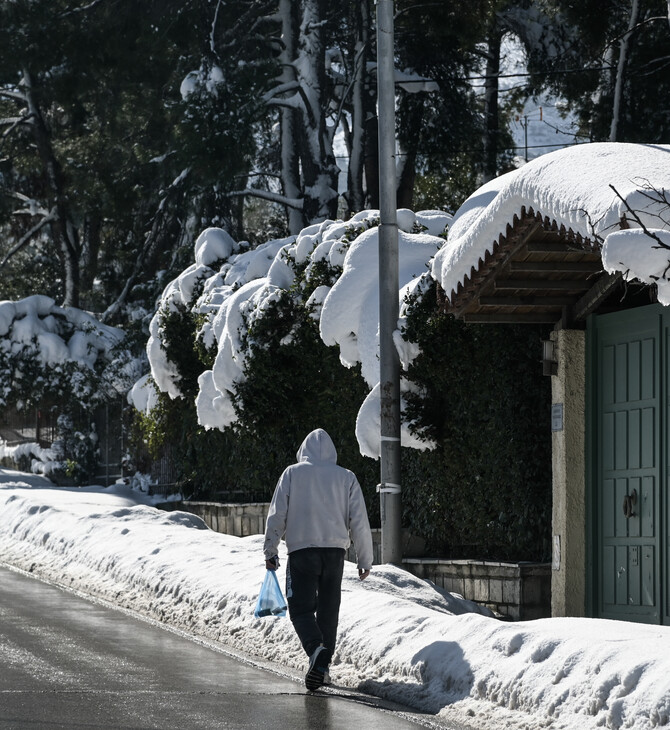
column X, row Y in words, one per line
column 539, row 73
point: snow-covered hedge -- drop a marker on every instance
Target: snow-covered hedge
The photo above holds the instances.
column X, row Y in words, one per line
column 330, row 270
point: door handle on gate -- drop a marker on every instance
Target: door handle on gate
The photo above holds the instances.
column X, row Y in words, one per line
column 629, row 501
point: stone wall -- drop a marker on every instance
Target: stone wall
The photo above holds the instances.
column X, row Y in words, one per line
column 240, row 520
column 517, row 591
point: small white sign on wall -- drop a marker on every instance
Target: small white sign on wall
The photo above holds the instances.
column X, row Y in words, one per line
column 557, row 417
column 556, row 553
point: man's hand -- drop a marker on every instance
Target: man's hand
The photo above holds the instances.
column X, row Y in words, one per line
column 363, row 574
column 272, row 563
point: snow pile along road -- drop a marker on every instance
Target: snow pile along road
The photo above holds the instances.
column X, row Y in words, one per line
column 400, row 637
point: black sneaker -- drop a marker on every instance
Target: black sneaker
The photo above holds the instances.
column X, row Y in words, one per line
column 318, row 667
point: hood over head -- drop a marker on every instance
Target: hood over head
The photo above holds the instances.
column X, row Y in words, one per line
column 317, row 446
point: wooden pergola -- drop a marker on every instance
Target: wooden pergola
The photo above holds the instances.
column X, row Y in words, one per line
column 537, row 272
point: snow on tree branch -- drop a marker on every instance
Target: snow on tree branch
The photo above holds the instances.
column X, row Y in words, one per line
column 33, row 207
column 280, row 89
column 212, row 44
column 83, row 9
column 14, row 95
column 12, row 121
column 292, row 101
column 295, row 203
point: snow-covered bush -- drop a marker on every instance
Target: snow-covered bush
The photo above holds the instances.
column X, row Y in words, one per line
column 61, row 359
column 51, row 353
column 329, row 272
column 238, row 356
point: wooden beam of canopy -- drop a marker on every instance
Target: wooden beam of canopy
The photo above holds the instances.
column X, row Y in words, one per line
column 595, row 296
column 502, row 318
column 539, row 284
column 556, row 247
column 525, row 301
column 579, row 267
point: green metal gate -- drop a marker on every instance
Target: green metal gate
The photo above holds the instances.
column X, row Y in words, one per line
column 629, row 424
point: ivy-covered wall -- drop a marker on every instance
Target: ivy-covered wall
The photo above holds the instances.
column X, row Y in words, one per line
column 485, row 490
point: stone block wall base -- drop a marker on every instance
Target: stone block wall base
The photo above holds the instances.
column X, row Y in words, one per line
column 240, row 520
column 518, row 591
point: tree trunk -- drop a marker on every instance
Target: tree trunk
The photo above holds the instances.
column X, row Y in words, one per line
column 319, row 169
column 621, row 71
column 289, row 118
column 63, row 231
column 406, row 169
column 492, row 130
column 406, row 178
column 372, row 160
column 89, row 252
column 356, row 193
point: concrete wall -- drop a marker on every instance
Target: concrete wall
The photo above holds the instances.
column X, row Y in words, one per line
column 568, row 580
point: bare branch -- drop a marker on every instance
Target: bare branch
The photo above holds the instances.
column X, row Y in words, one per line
column 14, row 95
column 245, row 26
column 154, row 235
column 638, row 220
column 25, row 239
column 637, row 26
column 295, row 203
column 258, row 173
column 654, row 194
column 83, row 9
column 281, row 89
column 347, row 91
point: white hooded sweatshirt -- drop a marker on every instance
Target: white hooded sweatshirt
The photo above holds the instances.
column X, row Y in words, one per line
column 317, row 503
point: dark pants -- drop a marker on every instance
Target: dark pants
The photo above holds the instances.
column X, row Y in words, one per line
column 313, row 589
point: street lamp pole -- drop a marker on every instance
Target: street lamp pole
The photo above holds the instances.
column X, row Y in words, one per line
column 389, row 366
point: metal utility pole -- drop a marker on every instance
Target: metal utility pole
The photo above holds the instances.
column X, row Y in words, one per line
column 389, row 366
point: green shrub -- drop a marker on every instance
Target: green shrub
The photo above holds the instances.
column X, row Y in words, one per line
column 485, row 491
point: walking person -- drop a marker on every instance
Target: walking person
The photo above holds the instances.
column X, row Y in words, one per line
column 316, row 507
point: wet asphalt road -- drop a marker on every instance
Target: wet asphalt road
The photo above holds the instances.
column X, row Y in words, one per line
column 66, row 662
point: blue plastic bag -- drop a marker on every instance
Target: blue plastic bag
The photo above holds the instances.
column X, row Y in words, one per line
column 271, row 601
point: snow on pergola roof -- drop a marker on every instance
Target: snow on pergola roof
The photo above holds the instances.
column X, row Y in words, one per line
column 533, row 242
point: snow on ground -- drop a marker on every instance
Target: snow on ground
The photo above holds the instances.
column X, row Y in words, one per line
column 400, row 637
